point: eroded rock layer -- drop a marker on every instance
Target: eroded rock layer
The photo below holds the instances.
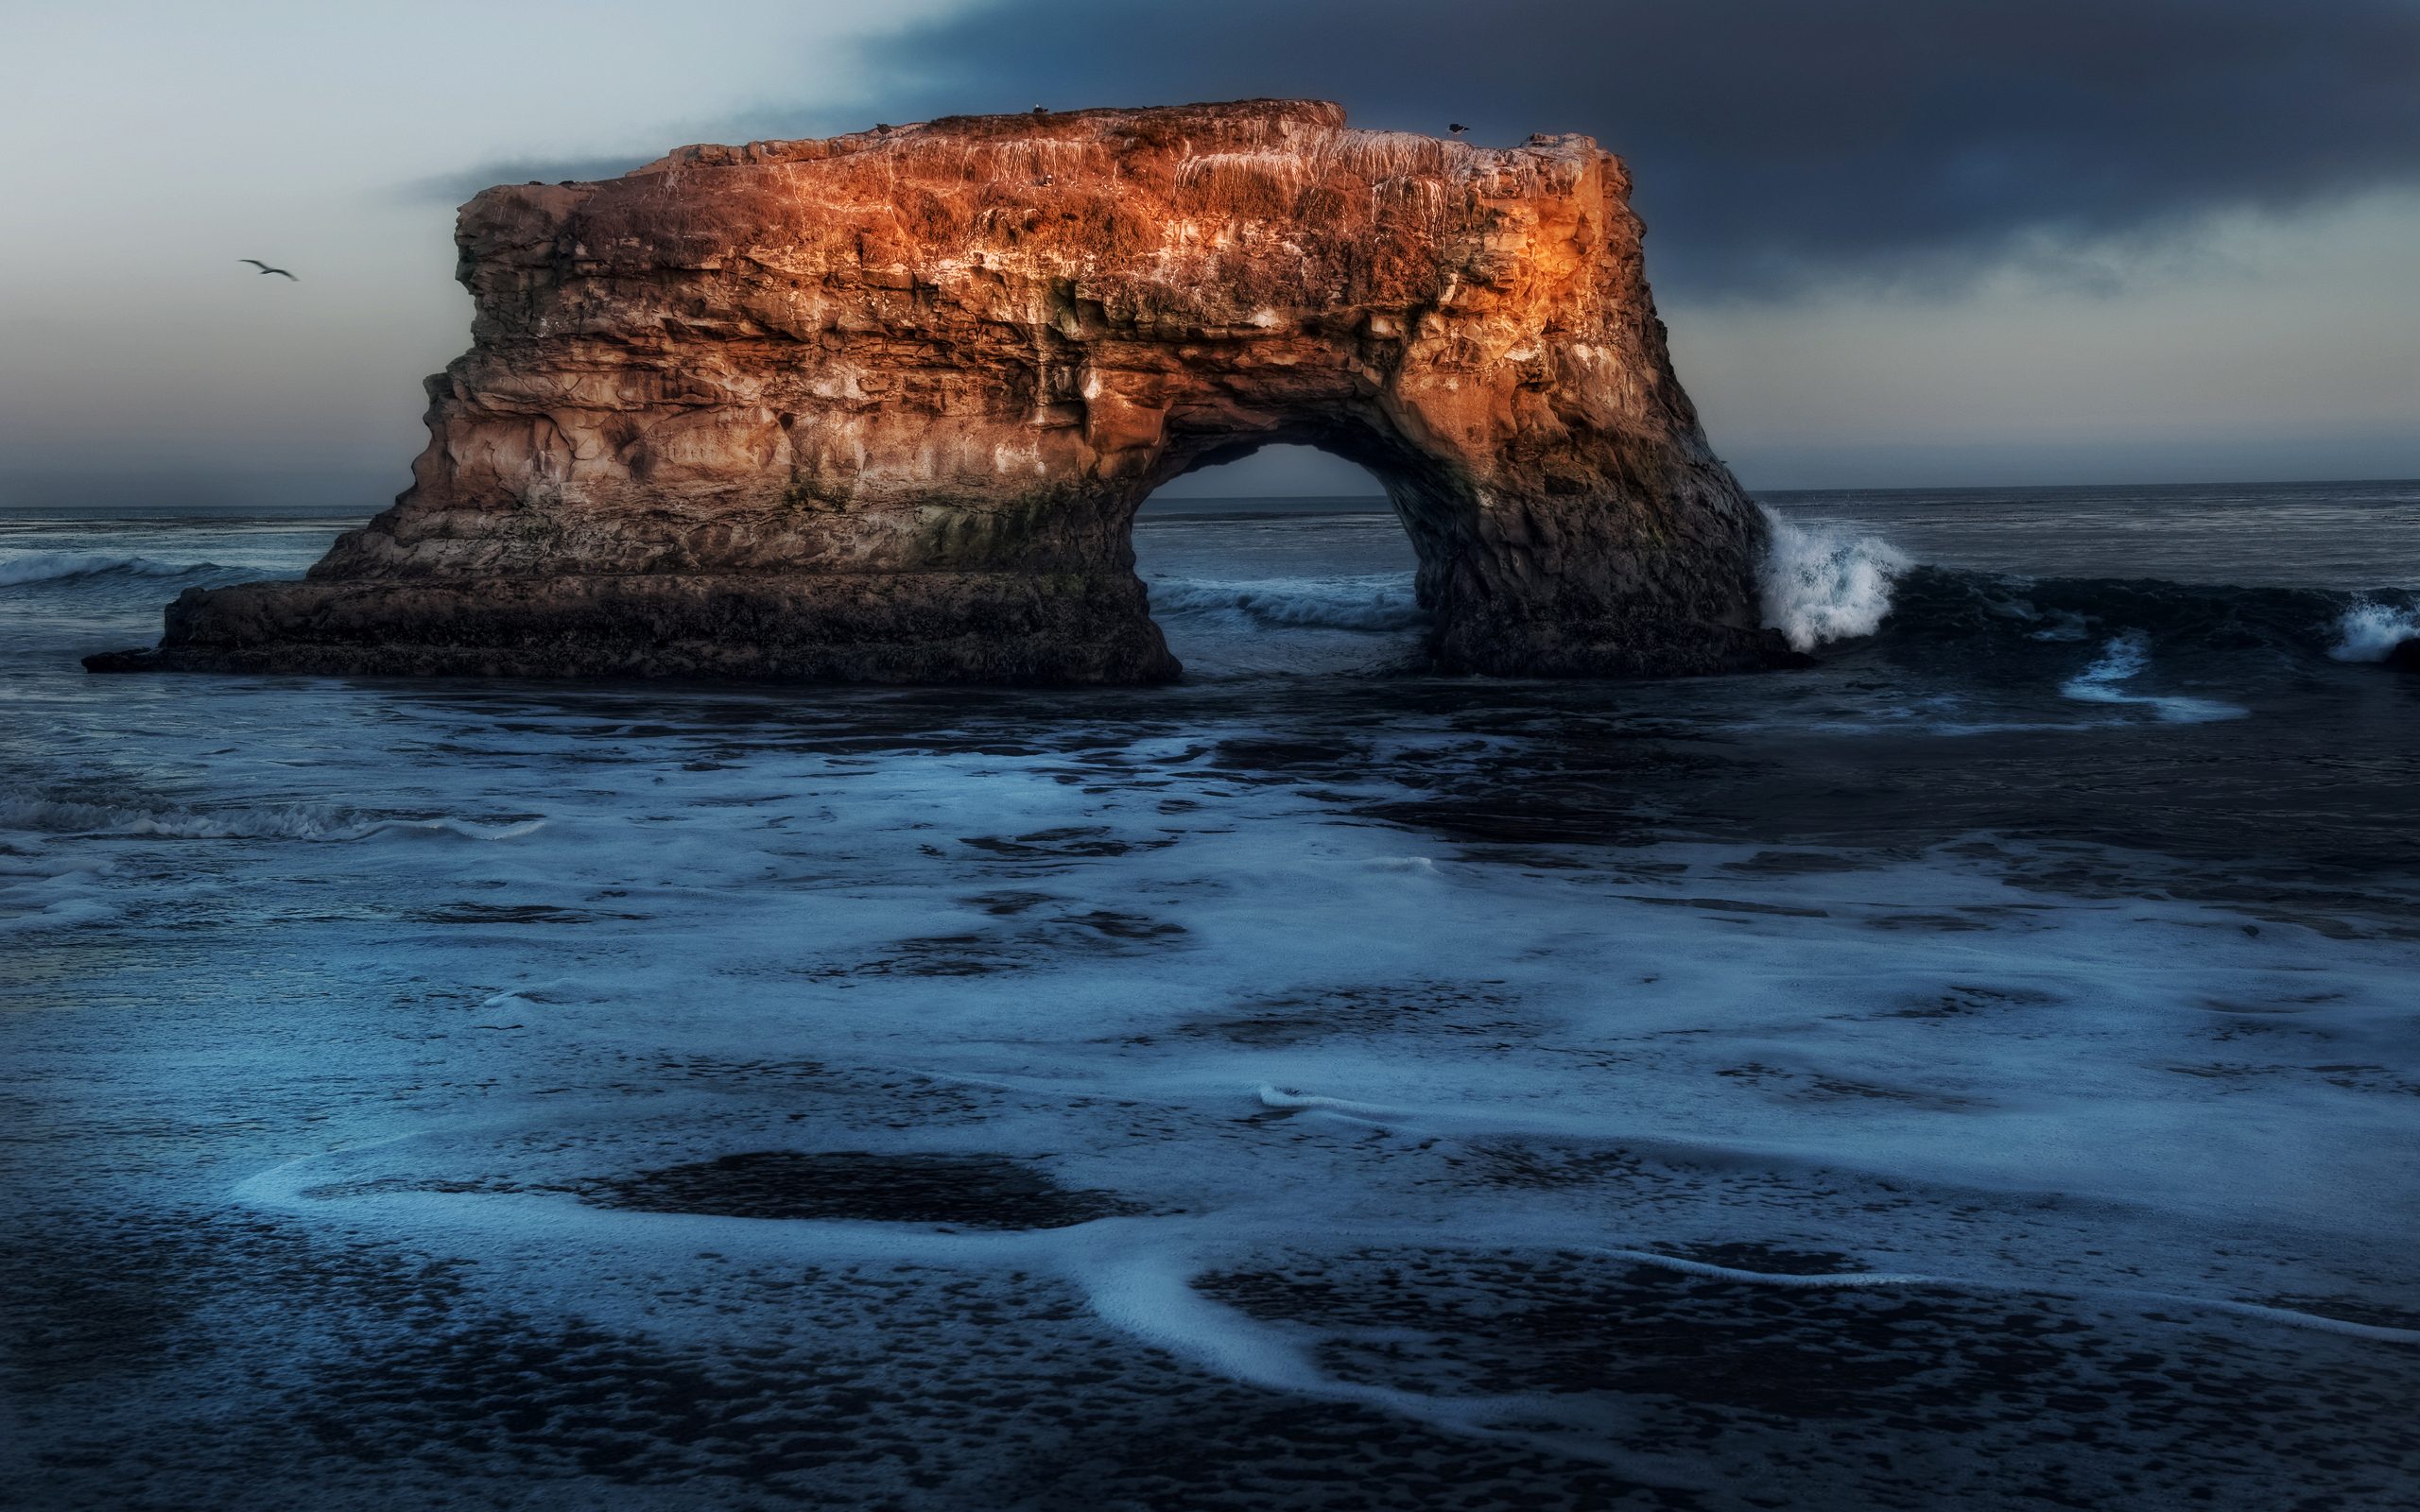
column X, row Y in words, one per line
column 882, row 408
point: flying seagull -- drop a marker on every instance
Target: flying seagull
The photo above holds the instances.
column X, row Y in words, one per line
column 1457, row 129
column 265, row 269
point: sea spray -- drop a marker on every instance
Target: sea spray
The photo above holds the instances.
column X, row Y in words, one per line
column 2367, row 630
column 1825, row 583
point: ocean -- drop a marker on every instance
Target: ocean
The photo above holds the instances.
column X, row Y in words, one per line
column 1979, row 1071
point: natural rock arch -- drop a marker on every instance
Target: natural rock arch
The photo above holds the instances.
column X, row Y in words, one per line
column 882, row 408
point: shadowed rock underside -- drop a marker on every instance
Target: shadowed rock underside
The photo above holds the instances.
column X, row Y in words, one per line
column 882, row 408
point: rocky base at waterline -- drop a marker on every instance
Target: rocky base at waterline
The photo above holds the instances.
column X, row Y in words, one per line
column 961, row 627
column 882, row 408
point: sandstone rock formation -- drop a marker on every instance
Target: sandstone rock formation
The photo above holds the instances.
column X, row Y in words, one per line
column 882, row 408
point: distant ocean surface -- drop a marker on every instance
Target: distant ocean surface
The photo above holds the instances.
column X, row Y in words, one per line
column 1301, row 1086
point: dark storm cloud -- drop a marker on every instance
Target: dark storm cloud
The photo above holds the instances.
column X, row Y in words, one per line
column 1777, row 140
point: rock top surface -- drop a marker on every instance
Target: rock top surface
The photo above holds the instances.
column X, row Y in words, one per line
column 882, row 408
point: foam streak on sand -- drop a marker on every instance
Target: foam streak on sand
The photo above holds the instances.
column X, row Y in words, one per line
column 2272, row 1315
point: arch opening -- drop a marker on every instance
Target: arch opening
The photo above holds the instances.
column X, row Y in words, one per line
column 1286, row 561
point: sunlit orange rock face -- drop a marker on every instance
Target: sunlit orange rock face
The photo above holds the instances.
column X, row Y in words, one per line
column 882, row 408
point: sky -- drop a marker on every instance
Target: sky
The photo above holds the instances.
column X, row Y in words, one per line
column 1899, row 243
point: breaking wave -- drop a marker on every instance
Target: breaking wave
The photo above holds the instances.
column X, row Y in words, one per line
column 1378, row 603
column 1993, row 622
column 2367, row 630
column 1826, row 584
column 46, row 566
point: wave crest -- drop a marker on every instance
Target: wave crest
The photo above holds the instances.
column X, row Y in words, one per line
column 1995, row 621
column 1343, row 604
column 46, row 566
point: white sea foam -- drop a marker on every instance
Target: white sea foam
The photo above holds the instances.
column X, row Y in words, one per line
column 2292, row 1317
column 66, row 914
column 285, row 821
column 43, row 566
column 2368, row 630
column 45, row 889
column 2122, row 659
column 1267, row 1091
column 1823, row 583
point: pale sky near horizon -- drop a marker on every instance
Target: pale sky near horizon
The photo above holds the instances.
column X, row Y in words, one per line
column 156, row 144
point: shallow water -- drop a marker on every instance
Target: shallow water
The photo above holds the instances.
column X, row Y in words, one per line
column 1295, row 1088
